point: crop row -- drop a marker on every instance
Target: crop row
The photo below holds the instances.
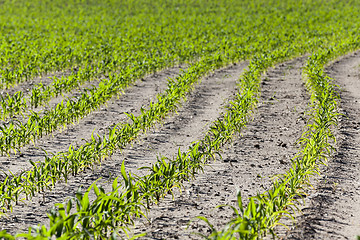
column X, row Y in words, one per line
column 116, row 209
column 216, row 41
column 18, row 134
column 60, row 166
column 41, row 94
column 264, row 211
column 109, row 57
column 120, row 74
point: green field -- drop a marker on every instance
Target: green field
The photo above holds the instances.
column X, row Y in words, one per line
column 116, row 42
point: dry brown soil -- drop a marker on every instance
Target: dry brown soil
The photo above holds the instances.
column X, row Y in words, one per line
column 264, row 149
column 333, row 206
column 33, row 212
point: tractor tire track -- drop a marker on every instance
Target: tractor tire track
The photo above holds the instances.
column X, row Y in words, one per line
column 190, row 123
column 333, row 207
column 265, row 149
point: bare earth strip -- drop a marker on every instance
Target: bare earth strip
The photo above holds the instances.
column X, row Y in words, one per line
column 264, row 149
column 333, row 210
column 52, row 103
column 26, row 86
column 98, row 121
column 46, row 80
column 202, row 107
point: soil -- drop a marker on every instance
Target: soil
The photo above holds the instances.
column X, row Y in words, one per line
column 262, row 150
column 95, row 123
column 333, row 206
column 178, row 130
column 26, row 86
column 265, row 148
column 33, row 212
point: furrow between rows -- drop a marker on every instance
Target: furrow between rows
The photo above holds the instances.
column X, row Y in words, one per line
column 26, row 86
column 41, row 94
column 332, row 207
column 265, row 148
column 96, row 122
column 190, row 123
column 202, row 107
